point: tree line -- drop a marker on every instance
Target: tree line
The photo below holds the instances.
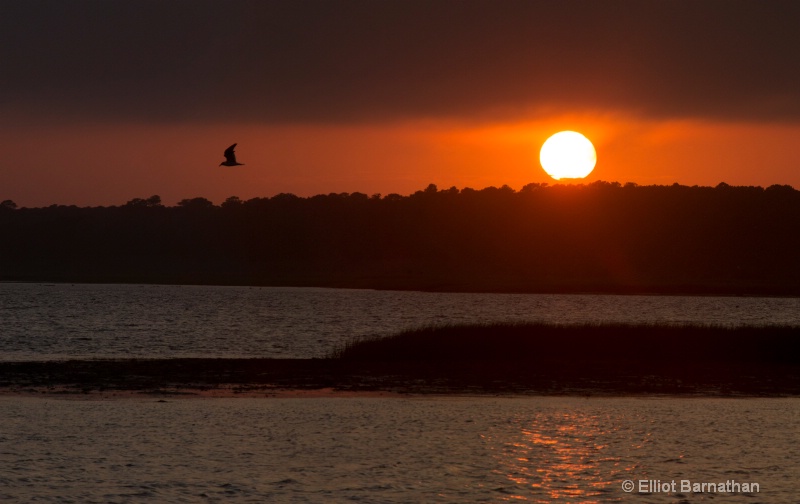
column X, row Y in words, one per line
column 598, row 237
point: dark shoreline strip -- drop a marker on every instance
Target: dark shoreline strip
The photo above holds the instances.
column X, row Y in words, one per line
column 557, row 378
column 533, row 358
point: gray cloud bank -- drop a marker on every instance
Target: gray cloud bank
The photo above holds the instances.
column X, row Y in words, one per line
column 350, row 61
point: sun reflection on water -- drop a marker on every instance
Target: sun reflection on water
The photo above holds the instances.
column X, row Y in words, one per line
column 565, row 456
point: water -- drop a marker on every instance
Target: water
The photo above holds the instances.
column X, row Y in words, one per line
column 46, row 321
column 462, row 449
column 434, row 449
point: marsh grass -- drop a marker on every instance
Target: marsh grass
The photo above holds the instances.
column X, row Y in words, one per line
column 539, row 341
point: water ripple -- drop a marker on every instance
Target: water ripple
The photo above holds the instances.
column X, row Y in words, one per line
column 63, row 321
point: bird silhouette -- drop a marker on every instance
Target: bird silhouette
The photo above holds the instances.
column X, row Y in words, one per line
column 230, row 157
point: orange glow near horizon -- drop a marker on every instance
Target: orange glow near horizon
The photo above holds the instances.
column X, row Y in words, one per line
column 111, row 164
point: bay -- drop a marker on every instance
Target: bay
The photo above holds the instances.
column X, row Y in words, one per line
column 433, row 449
column 345, row 449
column 67, row 321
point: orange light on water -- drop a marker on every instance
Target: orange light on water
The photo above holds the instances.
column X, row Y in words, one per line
column 557, row 457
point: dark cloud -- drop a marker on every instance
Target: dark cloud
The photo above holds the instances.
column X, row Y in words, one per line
column 309, row 60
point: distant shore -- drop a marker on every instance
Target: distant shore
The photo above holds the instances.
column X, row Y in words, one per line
column 390, row 285
column 533, row 359
column 602, row 237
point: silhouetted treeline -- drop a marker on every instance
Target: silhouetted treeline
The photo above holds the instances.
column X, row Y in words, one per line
column 596, row 237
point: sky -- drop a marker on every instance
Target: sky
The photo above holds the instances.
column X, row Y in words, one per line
column 102, row 102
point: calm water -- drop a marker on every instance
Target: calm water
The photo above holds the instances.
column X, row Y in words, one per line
column 436, row 449
column 41, row 321
column 395, row 450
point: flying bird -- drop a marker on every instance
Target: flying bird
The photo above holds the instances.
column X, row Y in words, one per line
column 230, row 157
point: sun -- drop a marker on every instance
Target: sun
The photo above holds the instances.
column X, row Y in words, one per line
column 568, row 154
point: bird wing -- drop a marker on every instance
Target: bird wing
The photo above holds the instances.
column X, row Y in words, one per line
column 229, row 155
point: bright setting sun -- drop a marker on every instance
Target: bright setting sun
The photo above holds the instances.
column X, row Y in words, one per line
column 568, row 154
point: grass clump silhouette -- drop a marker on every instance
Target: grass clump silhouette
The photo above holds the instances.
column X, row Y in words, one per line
column 589, row 342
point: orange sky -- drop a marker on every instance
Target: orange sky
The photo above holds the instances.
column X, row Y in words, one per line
column 103, row 102
column 102, row 165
